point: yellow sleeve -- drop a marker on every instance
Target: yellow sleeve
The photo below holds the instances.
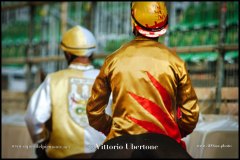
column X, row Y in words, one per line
column 187, row 102
column 98, row 101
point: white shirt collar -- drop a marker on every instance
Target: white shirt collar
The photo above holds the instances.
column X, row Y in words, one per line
column 80, row 67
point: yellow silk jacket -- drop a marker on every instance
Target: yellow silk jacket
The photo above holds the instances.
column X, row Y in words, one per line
column 62, row 99
column 151, row 90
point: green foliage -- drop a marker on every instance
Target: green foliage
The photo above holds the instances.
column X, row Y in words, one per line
column 113, row 45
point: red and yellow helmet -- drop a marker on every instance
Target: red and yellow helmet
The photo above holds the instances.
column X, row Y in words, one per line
column 149, row 18
column 78, row 41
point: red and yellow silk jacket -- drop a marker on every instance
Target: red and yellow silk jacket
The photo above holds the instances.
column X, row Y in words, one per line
column 151, row 89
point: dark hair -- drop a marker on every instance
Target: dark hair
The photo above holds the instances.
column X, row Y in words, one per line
column 69, row 57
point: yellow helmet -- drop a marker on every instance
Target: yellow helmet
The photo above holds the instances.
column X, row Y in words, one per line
column 149, row 18
column 78, row 41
